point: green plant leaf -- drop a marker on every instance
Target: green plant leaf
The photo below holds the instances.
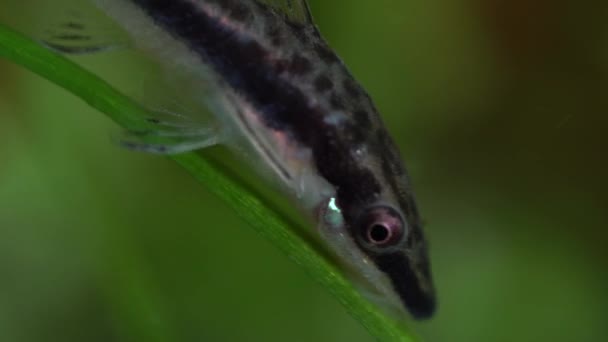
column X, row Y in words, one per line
column 263, row 218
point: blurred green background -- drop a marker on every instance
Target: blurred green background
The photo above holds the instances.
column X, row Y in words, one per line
column 500, row 109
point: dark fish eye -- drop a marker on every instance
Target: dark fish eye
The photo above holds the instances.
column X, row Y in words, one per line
column 381, row 226
column 379, row 233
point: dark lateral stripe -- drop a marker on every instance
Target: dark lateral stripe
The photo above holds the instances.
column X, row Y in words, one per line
column 419, row 302
column 242, row 62
column 252, row 72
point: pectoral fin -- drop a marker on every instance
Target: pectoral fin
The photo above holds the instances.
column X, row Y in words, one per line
column 67, row 26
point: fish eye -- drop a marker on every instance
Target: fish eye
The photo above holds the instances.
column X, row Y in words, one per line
column 379, row 233
column 381, row 226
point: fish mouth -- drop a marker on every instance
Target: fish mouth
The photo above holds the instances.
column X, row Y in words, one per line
column 413, row 286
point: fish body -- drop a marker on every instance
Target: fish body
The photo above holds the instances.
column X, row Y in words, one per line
column 290, row 102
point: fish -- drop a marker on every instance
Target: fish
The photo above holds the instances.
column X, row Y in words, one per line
column 287, row 103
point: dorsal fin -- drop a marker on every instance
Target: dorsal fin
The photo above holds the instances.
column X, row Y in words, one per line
column 295, row 11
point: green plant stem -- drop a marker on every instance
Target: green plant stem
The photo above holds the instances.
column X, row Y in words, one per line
column 266, row 221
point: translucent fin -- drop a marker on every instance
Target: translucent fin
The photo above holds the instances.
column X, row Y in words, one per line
column 176, row 141
column 184, row 107
column 179, row 119
column 176, row 100
column 295, row 11
column 78, row 36
column 186, row 102
column 66, row 26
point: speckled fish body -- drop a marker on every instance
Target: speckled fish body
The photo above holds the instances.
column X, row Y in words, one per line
column 308, row 122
